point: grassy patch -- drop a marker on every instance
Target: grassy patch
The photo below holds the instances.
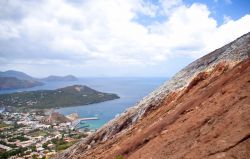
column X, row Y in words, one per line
column 3, row 126
column 38, row 133
column 119, row 157
column 20, row 138
column 64, row 146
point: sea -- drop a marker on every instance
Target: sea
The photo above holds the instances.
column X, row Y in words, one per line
column 130, row 90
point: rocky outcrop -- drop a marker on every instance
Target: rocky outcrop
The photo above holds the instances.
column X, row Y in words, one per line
column 55, row 118
column 176, row 118
column 73, row 116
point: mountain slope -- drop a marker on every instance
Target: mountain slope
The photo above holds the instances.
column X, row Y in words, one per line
column 207, row 120
column 14, row 83
column 16, row 80
column 16, row 74
column 202, row 112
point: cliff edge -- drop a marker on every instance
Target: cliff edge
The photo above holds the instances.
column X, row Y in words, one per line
column 202, row 112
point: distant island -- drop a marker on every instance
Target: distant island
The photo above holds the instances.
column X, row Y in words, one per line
column 16, row 74
column 14, row 83
column 16, row 80
column 63, row 97
column 60, row 78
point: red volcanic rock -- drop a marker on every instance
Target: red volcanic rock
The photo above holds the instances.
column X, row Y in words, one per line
column 202, row 112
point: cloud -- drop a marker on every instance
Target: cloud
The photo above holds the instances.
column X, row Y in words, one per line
column 226, row 1
column 226, row 18
column 102, row 34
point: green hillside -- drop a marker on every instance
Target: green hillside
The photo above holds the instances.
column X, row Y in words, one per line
column 63, row 97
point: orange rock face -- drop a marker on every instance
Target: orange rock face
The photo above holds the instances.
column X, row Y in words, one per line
column 211, row 120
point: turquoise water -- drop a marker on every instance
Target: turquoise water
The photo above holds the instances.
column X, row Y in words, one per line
column 130, row 90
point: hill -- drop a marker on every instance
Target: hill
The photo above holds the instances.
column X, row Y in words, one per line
column 16, row 74
column 15, row 80
column 55, row 117
column 63, row 97
column 14, row 83
column 202, row 112
column 59, row 78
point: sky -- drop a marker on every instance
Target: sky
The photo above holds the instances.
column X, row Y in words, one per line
column 115, row 38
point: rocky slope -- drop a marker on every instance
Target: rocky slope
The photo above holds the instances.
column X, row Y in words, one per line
column 202, row 112
column 55, row 117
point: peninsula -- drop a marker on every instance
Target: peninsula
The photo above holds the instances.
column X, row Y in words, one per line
column 63, row 97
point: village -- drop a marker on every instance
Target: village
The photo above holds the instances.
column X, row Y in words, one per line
column 39, row 135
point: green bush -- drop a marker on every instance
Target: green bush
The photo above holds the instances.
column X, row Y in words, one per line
column 6, row 144
column 119, row 157
column 64, row 146
column 13, row 152
column 21, row 138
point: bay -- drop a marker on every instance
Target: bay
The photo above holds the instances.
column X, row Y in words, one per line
column 130, row 90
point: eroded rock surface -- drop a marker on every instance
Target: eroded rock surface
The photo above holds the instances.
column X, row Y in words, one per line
column 202, row 112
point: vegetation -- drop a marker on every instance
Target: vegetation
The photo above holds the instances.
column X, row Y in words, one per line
column 33, row 148
column 4, row 135
column 60, row 144
column 119, row 157
column 13, row 152
column 38, row 132
column 45, row 145
column 2, row 125
column 20, row 138
column 11, row 128
column 68, row 96
column 78, row 136
column 64, row 146
column 6, row 144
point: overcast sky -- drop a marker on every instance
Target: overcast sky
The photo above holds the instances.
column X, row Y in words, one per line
column 115, row 37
